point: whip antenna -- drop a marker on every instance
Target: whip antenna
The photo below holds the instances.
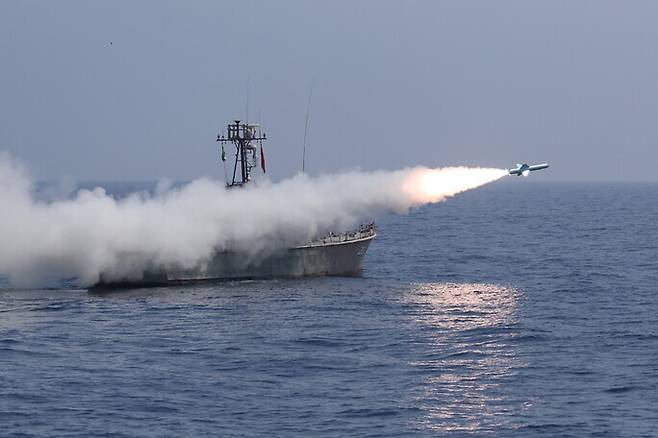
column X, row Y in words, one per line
column 308, row 109
column 246, row 112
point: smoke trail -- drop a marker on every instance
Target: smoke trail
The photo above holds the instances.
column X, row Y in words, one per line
column 43, row 242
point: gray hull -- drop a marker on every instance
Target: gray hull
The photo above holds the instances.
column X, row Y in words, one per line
column 340, row 258
column 328, row 257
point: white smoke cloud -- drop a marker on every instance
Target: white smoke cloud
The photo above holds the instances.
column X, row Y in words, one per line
column 91, row 233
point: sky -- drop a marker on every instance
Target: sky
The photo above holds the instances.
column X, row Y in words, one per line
column 124, row 90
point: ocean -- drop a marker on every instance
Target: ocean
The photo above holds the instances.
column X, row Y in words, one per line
column 518, row 309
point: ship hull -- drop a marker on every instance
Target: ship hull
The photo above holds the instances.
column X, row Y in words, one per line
column 337, row 258
column 344, row 259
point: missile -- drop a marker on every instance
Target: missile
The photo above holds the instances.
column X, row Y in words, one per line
column 525, row 169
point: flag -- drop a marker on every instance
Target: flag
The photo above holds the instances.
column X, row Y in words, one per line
column 262, row 158
column 223, row 154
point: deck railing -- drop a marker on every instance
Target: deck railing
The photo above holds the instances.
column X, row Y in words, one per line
column 364, row 231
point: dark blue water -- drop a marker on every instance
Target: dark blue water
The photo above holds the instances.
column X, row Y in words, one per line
column 519, row 309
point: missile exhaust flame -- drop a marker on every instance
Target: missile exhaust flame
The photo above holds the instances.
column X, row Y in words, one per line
column 434, row 185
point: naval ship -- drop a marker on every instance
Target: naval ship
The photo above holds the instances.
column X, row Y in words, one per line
column 325, row 255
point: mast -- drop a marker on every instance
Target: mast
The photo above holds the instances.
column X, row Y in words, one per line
column 245, row 137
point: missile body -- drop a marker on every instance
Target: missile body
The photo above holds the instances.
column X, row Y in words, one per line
column 525, row 169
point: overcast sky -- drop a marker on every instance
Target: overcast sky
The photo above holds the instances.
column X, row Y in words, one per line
column 394, row 84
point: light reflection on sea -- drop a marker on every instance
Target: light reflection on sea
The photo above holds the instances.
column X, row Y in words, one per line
column 468, row 356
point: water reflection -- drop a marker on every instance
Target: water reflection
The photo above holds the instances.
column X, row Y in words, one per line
column 468, row 360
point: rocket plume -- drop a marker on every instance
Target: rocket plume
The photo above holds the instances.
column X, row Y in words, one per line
column 90, row 234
